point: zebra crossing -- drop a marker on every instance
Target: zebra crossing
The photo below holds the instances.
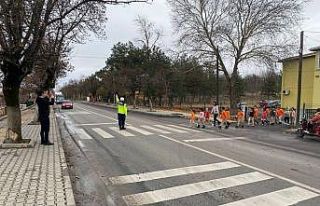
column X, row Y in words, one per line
column 279, row 197
column 110, row 132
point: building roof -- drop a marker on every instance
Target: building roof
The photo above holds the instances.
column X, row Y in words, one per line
column 297, row 57
column 315, row 48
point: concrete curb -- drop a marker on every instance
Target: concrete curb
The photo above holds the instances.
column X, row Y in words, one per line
column 68, row 186
column 31, row 144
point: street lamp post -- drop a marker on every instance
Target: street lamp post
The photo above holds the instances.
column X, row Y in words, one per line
column 217, row 77
column 299, row 78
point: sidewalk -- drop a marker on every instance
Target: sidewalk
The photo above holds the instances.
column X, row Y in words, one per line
column 38, row 175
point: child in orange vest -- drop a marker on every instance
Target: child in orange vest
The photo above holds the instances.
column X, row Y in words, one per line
column 264, row 117
column 192, row 117
column 240, row 118
column 228, row 117
column 279, row 114
column 223, row 117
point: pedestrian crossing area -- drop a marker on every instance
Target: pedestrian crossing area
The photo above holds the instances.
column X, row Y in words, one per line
column 290, row 195
column 109, row 131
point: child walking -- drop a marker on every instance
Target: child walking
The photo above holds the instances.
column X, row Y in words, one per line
column 192, row 118
column 207, row 116
column 240, row 118
column 201, row 119
column 228, row 117
column 264, row 117
column 223, row 117
column 251, row 117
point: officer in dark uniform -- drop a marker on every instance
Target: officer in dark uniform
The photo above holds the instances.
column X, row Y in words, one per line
column 44, row 100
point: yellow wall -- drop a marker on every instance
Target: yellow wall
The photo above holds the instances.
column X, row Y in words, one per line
column 316, row 85
column 290, row 82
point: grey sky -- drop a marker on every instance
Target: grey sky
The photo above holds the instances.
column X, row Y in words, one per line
column 90, row 57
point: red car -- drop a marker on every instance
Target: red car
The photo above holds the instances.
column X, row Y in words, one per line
column 67, row 104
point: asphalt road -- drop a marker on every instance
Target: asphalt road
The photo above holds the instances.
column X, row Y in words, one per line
column 163, row 161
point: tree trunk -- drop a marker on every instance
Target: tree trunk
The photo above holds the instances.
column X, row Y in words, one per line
column 233, row 94
column 134, row 100
column 150, row 104
column 11, row 97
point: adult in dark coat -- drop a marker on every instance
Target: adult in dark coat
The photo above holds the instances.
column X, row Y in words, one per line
column 44, row 100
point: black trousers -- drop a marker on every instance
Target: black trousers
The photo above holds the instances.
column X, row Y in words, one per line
column 215, row 119
column 44, row 132
column 121, row 120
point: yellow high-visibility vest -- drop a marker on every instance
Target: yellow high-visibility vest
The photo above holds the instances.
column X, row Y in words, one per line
column 122, row 107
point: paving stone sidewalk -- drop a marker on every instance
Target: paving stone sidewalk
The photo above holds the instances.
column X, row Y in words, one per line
column 35, row 176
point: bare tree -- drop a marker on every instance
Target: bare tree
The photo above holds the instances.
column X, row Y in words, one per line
column 25, row 25
column 150, row 34
column 236, row 31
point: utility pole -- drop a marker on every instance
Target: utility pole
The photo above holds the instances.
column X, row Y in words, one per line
column 299, row 78
column 217, row 65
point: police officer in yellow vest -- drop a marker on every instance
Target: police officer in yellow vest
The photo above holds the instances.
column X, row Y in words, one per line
column 122, row 112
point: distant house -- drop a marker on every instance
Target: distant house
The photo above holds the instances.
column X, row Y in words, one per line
column 310, row 90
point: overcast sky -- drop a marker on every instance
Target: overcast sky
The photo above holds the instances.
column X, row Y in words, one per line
column 91, row 56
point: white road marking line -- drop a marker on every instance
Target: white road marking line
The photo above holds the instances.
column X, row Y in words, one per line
column 78, row 113
column 215, row 139
column 101, row 115
column 155, row 129
column 96, row 124
column 285, row 197
column 142, row 131
column 244, row 164
column 83, row 134
column 183, row 128
column 142, row 177
column 170, row 129
column 122, row 132
column 81, row 144
column 102, row 133
column 176, row 192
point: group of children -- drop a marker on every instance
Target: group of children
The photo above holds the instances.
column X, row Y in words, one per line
column 222, row 117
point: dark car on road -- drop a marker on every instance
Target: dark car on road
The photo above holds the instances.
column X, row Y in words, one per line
column 270, row 103
column 67, row 104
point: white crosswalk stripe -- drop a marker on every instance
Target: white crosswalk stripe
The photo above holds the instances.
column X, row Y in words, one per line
column 170, row 129
column 215, row 139
column 83, row 134
column 176, row 192
column 285, row 197
column 142, row 131
column 122, row 132
column 155, row 129
column 142, row 177
column 183, row 128
column 103, row 133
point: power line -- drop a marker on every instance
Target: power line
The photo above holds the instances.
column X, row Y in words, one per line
column 314, row 32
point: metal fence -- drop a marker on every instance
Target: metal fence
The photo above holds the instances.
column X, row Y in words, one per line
column 308, row 113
